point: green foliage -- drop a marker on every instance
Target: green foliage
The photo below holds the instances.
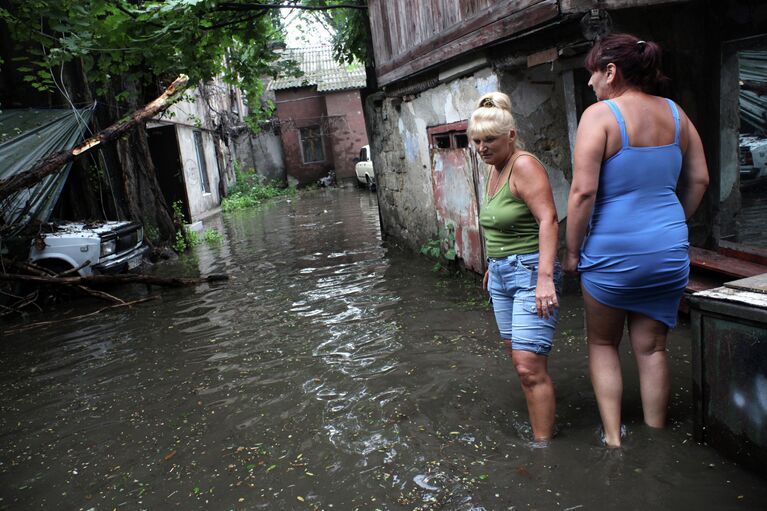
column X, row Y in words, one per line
column 182, row 239
column 350, row 27
column 251, row 190
column 146, row 40
column 212, row 236
column 442, row 249
column 180, row 244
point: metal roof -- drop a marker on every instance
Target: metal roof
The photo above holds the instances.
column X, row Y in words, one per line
column 320, row 69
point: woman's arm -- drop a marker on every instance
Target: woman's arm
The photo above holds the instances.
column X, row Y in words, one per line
column 589, row 151
column 530, row 183
column 693, row 179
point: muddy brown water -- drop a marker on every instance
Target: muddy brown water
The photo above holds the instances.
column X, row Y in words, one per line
column 333, row 371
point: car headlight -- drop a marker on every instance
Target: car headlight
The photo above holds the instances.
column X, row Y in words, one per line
column 108, row 247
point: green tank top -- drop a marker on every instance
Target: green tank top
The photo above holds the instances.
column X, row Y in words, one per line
column 510, row 227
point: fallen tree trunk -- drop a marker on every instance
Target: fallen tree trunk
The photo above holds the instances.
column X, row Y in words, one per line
column 128, row 278
column 54, row 162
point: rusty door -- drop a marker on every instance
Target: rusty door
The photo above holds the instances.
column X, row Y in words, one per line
column 458, row 189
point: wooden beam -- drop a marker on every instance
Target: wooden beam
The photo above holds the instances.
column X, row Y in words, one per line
column 577, row 6
column 473, row 34
column 496, row 12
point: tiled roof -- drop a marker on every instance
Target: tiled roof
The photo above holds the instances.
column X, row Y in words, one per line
column 320, row 69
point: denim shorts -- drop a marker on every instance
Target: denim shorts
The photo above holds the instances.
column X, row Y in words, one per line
column 511, row 284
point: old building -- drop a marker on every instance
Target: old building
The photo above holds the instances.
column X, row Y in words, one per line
column 435, row 59
column 320, row 115
column 199, row 143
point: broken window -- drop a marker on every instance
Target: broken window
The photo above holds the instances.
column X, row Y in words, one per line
column 201, row 164
column 312, row 146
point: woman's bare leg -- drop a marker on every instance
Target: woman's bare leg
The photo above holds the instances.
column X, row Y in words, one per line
column 648, row 340
column 604, row 329
column 538, row 388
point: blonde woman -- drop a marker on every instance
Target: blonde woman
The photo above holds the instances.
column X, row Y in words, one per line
column 523, row 277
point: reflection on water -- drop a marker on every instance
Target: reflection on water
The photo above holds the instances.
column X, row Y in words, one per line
column 330, row 372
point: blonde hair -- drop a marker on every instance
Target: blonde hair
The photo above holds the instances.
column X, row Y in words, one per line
column 492, row 117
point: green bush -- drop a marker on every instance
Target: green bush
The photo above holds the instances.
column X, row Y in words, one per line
column 251, row 190
column 442, row 249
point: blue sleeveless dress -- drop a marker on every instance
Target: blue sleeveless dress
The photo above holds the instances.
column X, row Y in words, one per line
column 635, row 256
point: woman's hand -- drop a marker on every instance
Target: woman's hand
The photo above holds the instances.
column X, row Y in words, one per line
column 545, row 297
column 570, row 263
column 485, row 279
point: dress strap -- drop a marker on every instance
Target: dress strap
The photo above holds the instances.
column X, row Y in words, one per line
column 675, row 112
column 621, row 122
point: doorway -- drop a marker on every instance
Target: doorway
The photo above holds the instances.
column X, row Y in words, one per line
column 163, row 146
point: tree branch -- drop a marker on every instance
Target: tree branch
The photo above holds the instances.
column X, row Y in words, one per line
column 54, row 162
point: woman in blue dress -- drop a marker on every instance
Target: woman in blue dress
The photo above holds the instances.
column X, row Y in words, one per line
column 639, row 173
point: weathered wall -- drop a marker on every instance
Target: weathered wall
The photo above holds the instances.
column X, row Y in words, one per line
column 347, row 130
column 262, row 152
column 199, row 200
column 401, row 150
column 299, row 108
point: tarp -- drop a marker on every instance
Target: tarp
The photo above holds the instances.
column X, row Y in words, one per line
column 26, row 136
column 753, row 107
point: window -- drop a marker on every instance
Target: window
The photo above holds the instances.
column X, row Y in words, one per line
column 201, row 165
column 449, row 136
column 312, row 145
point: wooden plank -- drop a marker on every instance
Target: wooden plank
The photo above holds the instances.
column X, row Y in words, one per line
column 747, row 253
column 577, row 6
column 719, row 263
column 506, row 27
column 447, row 28
column 757, row 284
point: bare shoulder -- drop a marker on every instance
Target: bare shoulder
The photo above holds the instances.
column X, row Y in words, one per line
column 598, row 112
column 528, row 168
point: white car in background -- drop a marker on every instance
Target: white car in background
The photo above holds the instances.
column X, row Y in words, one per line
column 753, row 158
column 364, row 169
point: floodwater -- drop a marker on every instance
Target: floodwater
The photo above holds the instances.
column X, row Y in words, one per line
column 333, row 371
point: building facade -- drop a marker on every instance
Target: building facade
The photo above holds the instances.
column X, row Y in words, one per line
column 320, row 115
column 435, row 59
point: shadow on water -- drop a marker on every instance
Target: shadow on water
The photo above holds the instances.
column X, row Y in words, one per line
column 331, row 372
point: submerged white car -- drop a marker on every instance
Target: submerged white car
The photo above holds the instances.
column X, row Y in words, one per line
column 364, row 169
column 93, row 249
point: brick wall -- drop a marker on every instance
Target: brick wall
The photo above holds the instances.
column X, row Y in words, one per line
column 348, row 130
column 300, row 108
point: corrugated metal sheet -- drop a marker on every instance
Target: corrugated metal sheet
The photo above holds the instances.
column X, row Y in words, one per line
column 320, row 69
column 753, row 107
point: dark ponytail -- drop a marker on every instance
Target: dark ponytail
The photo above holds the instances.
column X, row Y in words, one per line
column 638, row 61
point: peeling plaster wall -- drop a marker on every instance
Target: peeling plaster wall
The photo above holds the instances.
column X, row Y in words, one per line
column 400, row 151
